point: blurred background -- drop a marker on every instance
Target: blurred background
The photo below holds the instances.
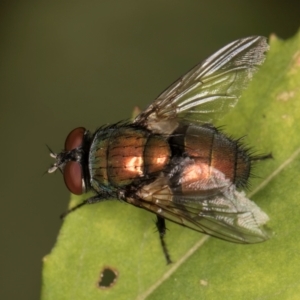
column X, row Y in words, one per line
column 65, row 64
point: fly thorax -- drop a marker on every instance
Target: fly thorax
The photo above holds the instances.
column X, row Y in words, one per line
column 124, row 155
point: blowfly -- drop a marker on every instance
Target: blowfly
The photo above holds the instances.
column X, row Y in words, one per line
column 171, row 160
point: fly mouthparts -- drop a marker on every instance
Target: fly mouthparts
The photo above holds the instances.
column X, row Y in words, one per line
column 52, row 169
column 53, row 155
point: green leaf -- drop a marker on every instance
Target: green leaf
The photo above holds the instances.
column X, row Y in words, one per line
column 119, row 236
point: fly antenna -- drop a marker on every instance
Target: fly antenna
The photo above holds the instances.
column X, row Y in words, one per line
column 50, row 150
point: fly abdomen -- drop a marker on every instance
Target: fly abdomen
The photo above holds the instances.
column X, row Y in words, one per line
column 211, row 149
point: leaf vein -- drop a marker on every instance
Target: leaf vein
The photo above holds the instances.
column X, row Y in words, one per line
column 191, row 251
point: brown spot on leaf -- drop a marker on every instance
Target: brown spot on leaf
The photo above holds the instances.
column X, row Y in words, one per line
column 108, row 278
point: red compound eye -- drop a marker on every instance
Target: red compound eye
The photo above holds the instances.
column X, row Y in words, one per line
column 73, row 177
column 74, row 139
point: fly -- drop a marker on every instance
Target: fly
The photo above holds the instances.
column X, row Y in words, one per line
column 171, row 160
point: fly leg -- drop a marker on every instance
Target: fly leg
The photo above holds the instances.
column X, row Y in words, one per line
column 92, row 200
column 161, row 227
column 261, row 157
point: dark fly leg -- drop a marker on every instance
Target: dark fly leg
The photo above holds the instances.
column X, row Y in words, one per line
column 92, row 200
column 161, row 227
column 261, row 157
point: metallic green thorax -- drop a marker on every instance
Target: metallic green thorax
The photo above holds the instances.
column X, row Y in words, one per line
column 120, row 156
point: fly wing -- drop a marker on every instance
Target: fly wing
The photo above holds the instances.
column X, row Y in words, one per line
column 209, row 89
column 228, row 216
column 212, row 206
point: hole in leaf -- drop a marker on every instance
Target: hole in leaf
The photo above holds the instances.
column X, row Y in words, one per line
column 108, row 278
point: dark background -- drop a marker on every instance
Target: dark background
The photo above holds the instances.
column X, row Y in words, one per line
column 65, row 64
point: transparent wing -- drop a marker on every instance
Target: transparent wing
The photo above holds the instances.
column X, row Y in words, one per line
column 209, row 89
column 220, row 217
column 211, row 206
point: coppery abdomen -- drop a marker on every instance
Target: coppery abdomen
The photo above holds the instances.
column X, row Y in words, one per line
column 123, row 155
column 209, row 148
